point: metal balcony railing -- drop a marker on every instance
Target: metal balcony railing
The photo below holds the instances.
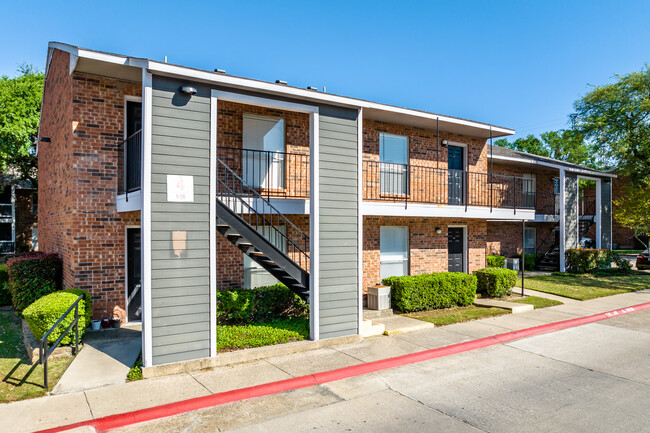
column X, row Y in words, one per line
column 547, row 204
column 421, row 184
column 131, row 164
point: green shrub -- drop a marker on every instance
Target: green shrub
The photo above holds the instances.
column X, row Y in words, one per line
column 582, row 260
column 234, row 337
column 5, row 295
column 32, row 276
column 262, row 304
column 622, row 264
column 530, row 261
column 87, row 301
column 496, row 261
column 495, row 282
column 43, row 314
column 431, row 291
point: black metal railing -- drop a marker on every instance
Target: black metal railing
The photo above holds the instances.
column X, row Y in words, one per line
column 132, row 163
column 421, row 184
column 547, row 203
column 261, row 215
column 272, row 174
column 44, row 350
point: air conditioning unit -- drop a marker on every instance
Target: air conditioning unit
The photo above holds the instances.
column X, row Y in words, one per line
column 512, row 264
column 379, row 298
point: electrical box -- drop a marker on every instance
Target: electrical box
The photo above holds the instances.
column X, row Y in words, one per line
column 512, row 264
column 379, row 298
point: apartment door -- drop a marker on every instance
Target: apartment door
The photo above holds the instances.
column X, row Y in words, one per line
column 263, row 151
column 393, row 164
column 133, row 275
column 456, row 251
column 456, row 164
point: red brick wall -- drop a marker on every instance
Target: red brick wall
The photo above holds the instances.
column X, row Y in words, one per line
column 84, row 116
column 624, row 237
column 428, row 250
column 505, row 238
column 25, row 220
column 544, row 184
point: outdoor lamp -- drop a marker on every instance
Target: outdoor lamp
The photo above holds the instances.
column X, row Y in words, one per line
column 438, row 230
column 188, row 90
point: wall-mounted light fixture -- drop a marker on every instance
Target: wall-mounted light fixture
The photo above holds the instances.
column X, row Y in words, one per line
column 438, row 230
column 444, row 142
column 188, row 90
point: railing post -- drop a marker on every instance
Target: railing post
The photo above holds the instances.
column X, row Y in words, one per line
column 76, row 329
column 45, row 363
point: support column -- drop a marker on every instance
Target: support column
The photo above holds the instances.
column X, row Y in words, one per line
column 562, row 220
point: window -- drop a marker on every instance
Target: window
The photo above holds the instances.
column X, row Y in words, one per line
column 530, row 240
column 34, row 203
column 393, row 164
column 254, row 274
column 393, row 251
column 263, row 151
column 556, row 185
column 529, row 188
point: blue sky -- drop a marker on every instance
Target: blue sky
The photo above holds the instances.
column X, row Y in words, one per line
column 519, row 64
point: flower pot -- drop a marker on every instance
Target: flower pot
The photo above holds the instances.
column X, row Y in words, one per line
column 106, row 323
column 115, row 323
column 95, row 324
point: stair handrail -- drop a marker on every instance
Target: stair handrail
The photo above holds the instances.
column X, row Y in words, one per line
column 257, row 196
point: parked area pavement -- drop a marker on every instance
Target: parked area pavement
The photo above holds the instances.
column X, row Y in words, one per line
column 550, row 380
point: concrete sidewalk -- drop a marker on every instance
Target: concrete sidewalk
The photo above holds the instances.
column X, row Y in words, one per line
column 51, row 411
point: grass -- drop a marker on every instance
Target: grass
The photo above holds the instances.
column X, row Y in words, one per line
column 20, row 380
column 448, row 316
column 537, row 302
column 588, row 286
column 628, row 251
column 236, row 337
column 135, row 373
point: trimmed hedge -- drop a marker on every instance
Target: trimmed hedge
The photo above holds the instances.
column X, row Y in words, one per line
column 495, row 282
column 582, row 260
column 32, row 276
column 43, row 314
column 261, row 304
column 431, row 291
column 87, row 301
column 496, row 261
column 5, row 295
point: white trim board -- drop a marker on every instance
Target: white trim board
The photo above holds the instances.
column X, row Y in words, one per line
column 147, row 97
column 444, row 211
column 213, row 225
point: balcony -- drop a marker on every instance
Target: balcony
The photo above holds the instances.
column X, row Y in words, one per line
column 547, row 204
column 130, row 165
column 400, row 183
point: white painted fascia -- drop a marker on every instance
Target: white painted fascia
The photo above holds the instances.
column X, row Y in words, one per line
column 552, row 165
column 134, row 202
column 444, row 211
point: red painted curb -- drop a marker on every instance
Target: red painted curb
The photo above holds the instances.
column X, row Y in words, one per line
column 124, row 419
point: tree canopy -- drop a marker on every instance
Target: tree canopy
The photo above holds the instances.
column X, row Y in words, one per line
column 615, row 118
column 20, row 107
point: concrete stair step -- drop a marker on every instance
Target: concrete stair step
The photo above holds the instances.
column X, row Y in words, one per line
column 514, row 307
column 370, row 329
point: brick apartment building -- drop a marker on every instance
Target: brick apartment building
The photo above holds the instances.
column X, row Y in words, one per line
column 162, row 184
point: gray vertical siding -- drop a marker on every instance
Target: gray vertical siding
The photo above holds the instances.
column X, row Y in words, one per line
column 338, row 284
column 606, row 213
column 571, row 211
column 180, row 291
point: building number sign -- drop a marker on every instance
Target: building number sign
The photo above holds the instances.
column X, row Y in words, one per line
column 180, row 188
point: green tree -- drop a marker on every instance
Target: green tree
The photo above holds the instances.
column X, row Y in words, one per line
column 616, row 119
column 20, row 107
column 631, row 211
column 564, row 145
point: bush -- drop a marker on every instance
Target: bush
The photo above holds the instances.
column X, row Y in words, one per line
column 5, row 295
column 233, row 337
column 495, row 282
column 622, row 264
column 43, row 314
column 32, row 276
column 496, row 261
column 582, row 260
column 431, row 291
column 530, row 261
column 262, row 304
column 87, row 301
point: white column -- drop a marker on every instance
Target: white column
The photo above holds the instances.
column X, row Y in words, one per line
column 314, row 232
column 147, row 94
column 598, row 214
column 359, row 214
column 562, row 220
column 213, row 225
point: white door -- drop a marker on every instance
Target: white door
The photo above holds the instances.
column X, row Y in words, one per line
column 393, row 164
column 263, row 151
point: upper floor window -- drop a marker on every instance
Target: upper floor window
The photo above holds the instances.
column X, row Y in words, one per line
column 393, row 159
column 263, row 151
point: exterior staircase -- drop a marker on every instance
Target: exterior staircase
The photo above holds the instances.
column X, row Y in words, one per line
column 243, row 214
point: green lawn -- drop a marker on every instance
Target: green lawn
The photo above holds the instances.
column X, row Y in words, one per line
column 20, row 380
column 537, row 302
column 587, row 286
column 448, row 316
column 235, row 337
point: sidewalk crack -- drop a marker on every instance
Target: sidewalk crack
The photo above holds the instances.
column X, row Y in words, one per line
column 88, row 403
column 200, row 383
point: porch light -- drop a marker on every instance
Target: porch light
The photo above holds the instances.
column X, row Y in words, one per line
column 444, row 142
column 188, row 90
column 438, row 230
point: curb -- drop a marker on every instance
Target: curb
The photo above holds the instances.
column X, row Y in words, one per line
column 124, row 419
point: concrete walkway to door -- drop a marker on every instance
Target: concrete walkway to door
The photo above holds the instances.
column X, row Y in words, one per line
column 106, row 358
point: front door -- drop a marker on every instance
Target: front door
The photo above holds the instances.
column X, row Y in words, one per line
column 133, row 277
column 455, row 165
column 455, row 250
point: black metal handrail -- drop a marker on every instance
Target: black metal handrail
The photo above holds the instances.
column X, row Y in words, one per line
column 44, row 351
column 547, row 203
column 132, row 162
column 273, row 174
column 420, row 184
column 258, row 212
